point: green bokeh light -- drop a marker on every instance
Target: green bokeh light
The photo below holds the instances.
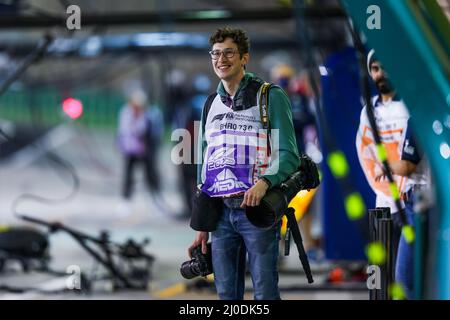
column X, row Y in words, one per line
column 394, row 190
column 355, row 207
column 376, row 253
column 338, row 164
column 408, row 233
column 396, row 291
column 381, row 151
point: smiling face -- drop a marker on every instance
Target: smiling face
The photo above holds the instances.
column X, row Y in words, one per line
column 229, row 69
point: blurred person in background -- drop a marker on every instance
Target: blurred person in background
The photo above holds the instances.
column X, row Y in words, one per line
column 406, row 162
column 133, row 143
column 297, row 88
column 186, row 116
column 154, row 140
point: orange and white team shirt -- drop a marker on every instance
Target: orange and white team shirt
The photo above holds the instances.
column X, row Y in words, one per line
column 392, row 120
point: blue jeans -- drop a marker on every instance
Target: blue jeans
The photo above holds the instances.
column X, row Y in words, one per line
column 404, row 267
column 234, row 237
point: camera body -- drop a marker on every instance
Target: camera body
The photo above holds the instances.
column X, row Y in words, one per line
column 305, row 178
column 199, row 265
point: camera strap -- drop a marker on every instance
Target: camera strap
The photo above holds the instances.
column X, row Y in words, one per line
column 264, row 104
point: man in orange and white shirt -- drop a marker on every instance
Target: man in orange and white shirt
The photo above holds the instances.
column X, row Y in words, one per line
column 404, row 158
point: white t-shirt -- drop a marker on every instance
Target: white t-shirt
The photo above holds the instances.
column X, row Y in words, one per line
column 392, row 120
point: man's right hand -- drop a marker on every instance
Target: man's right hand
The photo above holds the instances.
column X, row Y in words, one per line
column 201, row 238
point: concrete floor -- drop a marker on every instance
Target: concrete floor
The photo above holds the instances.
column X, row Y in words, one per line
column 97, row 206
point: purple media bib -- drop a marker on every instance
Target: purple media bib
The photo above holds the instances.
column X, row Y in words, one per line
column 235, row 144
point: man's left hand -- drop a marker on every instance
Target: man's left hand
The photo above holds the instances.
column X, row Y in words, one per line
column 253, row 196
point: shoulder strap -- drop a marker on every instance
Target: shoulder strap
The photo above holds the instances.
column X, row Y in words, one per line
column 207, row 105
column 264, row 104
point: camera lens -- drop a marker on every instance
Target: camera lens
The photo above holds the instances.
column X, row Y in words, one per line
column 269, row 211
column 190, row 269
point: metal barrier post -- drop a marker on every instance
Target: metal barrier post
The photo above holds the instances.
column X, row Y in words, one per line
column 380, row 230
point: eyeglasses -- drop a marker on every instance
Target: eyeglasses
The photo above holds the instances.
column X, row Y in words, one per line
column 228, row 53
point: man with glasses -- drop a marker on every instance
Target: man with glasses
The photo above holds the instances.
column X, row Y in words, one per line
column 239, row 167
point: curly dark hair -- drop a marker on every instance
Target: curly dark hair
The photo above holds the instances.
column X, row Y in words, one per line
column 237, row 35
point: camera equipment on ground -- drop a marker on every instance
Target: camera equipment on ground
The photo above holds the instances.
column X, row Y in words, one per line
column 128, row 266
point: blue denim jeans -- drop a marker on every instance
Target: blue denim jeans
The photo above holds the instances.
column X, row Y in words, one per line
column 235, row 237
column 404, row 267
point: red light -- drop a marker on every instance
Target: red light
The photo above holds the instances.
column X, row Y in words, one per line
column 73, row 108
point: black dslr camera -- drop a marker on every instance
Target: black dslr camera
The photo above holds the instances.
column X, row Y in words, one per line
column 199, row 265
column 305, row 178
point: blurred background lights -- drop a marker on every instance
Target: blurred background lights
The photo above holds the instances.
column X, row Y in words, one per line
column 437, row 127
column 445, row 150
column 447, row 122
column 73, row 108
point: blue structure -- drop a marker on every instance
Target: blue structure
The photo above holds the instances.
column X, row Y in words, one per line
column 342, row 106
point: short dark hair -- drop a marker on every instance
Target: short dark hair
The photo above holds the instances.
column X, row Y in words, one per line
column 237, row 35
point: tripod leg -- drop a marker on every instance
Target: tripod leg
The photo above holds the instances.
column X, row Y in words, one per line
column 299, row 242
column 287, row 240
